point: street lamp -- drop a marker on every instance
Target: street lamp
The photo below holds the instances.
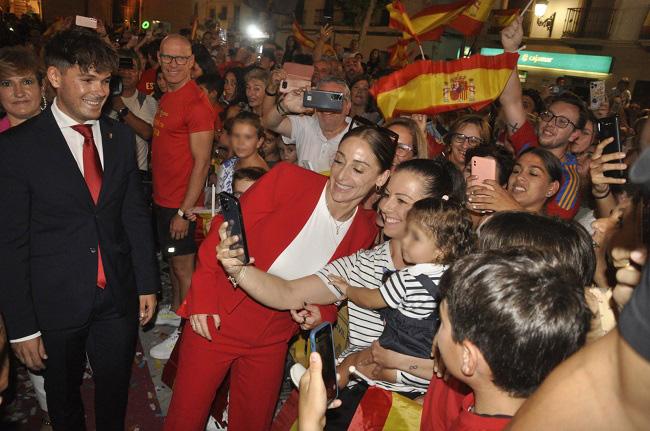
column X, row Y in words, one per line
column 541, row 7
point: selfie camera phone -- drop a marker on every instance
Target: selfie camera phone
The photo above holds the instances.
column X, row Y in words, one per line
column 609, row 128
column 231, row 211
column 485, row 168
column 321, row 340
column 323, row 100
column 86, row 21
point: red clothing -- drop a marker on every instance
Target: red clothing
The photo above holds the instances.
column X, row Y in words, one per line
column 566, row 202
column 468, row 421
column 274, row 211
column 442, row 403
column 147, row 81
column 180, row 113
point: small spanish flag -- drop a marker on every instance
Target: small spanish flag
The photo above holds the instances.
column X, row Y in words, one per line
column 301, row 37
column 471, row 20
column 400, row 20
column 431, row 87
column 429, row 23
column 502, row 18
column 399, row 54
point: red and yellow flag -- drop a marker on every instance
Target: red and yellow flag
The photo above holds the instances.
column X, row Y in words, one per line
column 301, row 37
column 428, row 24
column 399, row 54
column 431, row 87
column 502, row 18
column 471, row 20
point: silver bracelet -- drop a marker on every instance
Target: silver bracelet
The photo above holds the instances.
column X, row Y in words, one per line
column 238, row 278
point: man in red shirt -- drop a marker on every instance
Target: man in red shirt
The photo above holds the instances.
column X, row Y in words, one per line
column 180, row 158
column 559, row 127
column 148, row 77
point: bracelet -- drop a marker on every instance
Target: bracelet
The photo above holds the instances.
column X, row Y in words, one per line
column 281, row 110
column 266, row 90
column 238, row 278
column 602, row 196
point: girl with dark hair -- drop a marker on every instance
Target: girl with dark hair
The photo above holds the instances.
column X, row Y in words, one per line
column 535, row 178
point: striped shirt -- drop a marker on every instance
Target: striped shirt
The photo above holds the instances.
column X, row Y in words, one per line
column 405, row 293
column 365, row 268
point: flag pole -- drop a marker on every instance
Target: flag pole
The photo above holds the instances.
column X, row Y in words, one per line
column 421, row 51
column 526, row 8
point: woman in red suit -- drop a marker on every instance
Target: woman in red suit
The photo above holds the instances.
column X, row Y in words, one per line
column 296, row 221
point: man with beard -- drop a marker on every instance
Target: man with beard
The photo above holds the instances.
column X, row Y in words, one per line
column 559, row 126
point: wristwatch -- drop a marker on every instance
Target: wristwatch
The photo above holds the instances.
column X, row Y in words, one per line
column 182, row 214
column 123, row 112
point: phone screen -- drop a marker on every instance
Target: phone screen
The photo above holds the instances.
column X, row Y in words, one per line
column 609, row 128
column 322, row 341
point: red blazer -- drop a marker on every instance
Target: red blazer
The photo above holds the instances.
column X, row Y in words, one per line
column 274, row 210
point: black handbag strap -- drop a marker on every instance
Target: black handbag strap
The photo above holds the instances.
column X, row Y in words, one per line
column 429, row 285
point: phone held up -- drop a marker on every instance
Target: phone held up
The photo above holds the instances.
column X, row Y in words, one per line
column 231, row 211
column 323, row 100
column 485, row 168
column 609, row 128
column 86, row 21
column 321, row 340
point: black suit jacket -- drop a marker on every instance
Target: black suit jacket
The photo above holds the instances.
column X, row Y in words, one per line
column 50, row 228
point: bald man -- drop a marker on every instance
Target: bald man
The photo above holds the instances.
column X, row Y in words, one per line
column 180, row 158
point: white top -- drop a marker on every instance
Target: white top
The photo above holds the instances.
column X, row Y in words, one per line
column 146, row 113
column 313, row 149
column 366, row 268
column 75, row 141
column 313, row 246
column 405, row 293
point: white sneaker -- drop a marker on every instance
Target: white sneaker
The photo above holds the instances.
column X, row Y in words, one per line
column 167, row 317
column 163, row 350
column 212, row 425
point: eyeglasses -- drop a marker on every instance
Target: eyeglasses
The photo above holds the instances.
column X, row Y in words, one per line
column 181, row 60
column 459, row 138
column 358, row 121
column 560, row 121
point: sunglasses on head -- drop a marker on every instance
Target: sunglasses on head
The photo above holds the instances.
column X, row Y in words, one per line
column 358, row 121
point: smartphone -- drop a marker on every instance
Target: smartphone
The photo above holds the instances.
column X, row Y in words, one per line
column 596, row 94
column 115, row 85
column 485, row 168
column 323, row 100
column 609, row 128
column 321, row 340
column 231, row 211
column 298, row 76
column 86, row 21
column 126, row 63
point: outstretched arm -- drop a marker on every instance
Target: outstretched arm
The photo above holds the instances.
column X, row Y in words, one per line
column 363, row 297
column 510, row 98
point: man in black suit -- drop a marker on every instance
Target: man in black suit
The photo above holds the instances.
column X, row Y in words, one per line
column 77, row 260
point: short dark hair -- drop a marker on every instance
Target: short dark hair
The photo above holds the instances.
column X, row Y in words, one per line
column 449, row 225
column 249, row 118
column 575, row 100
column 130, row 53
column 537, row 99
column 212, row 82
column 515, row 307
column 504, row 159
column 381, row 144
column 82, row 47
column 565, row 240
column 203, row 58
column 552, row 164
column 250, row 174
column 439, row 177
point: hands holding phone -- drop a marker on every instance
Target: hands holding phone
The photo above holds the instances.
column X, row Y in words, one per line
column 312, row 403
column 602, row 163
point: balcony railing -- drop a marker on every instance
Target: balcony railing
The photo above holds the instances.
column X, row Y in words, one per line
column 588, row 22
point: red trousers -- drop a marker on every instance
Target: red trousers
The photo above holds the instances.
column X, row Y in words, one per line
column 255, row 380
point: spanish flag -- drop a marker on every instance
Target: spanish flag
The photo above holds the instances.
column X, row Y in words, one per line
column 301, row 37
column 471, row 20
column 431, row 87
column 429, row 23
column 399, row 54
column 502, row 18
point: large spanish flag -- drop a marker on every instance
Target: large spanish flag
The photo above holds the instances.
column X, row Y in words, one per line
column 502, row 18
column 428, row 24
column 431, row 87
column 471, row 20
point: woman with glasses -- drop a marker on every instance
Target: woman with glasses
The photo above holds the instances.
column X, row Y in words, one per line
column 535, row 178
column 469, row 131
column 412, row 144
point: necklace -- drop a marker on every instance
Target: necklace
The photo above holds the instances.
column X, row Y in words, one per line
column 338, row 226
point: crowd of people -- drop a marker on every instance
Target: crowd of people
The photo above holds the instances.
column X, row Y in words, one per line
column 489, row 301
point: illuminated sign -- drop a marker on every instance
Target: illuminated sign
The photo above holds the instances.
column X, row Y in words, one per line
column 597, row 64
column 145, row 25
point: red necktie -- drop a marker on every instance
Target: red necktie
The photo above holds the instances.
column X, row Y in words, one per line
column 93, row 175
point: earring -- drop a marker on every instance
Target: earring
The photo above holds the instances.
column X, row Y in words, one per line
column 43, row 102
column 377, row 189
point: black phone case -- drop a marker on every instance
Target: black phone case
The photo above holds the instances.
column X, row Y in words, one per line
column 231, row 211
column 323, row 100
column 609, row 128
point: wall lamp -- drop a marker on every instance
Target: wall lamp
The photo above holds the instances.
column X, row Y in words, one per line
column 540, row 10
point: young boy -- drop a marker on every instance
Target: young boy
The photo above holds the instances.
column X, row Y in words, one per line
column 508, row 317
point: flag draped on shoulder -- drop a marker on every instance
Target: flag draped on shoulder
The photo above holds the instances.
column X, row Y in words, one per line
column 471, row 20
column 431, row 87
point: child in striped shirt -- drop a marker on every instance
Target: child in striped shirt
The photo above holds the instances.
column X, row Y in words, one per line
column 438, row 231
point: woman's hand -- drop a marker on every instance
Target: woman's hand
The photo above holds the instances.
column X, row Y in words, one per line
column 199, row 324
column 277, row 76
column 312, row 402
column 308, row 318
column 491, row 197
column 421, row 121
column 600, row 164
column 326, row 32
column 230, row 258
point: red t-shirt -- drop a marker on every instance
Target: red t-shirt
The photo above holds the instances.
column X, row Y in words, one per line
column 468, row 421
column 180, row 113
column 147, row 81
column 442, row 403
column 566, row 202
